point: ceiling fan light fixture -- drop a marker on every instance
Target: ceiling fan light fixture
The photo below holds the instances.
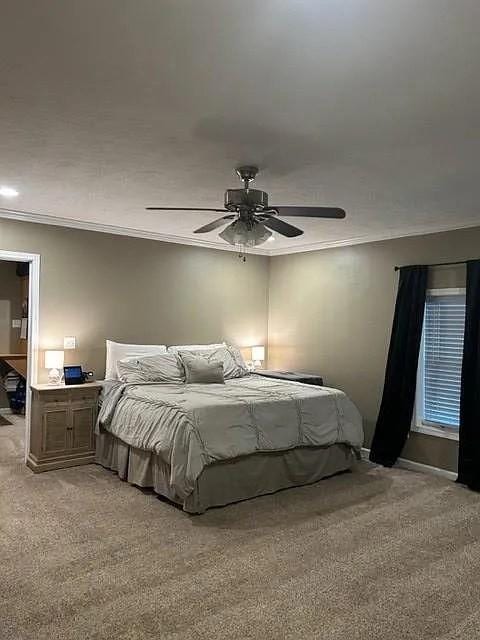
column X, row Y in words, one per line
column 254, row 216
column 245, row 234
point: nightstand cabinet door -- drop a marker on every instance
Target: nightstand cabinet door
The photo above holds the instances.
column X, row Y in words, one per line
column 55, row 435
column 81, row 428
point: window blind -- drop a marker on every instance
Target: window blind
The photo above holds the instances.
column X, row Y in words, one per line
column 443, row 349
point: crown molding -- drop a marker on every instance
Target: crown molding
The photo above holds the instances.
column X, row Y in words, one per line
column 374, row 237
column 72, row 223
column 84, row 225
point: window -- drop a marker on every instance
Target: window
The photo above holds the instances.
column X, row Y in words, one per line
column 440, row 363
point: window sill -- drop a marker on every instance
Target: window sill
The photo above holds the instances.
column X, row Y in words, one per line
column 438, row 432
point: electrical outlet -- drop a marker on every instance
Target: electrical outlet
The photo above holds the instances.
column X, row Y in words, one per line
column 70, row 342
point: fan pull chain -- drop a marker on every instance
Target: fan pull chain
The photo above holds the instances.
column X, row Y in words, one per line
column 243, row 253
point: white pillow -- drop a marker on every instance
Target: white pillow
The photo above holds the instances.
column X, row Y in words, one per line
column 195, row 347
column 117, row 351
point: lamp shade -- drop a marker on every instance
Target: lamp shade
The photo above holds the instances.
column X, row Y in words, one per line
column 54, row 359
column 258, row 353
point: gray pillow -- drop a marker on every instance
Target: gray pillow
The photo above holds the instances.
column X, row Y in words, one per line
column 202, row 371
column 231, row 358
column 164, row 367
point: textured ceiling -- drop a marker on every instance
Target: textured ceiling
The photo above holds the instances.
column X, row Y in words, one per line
column 108, row 106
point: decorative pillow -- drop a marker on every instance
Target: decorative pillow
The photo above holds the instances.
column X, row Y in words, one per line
column 164, row 367
column 231, row 358
column 117, row 351
column 201, row 370
column 194, row 347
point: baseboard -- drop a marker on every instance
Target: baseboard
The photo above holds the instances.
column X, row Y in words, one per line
column 38, row 466
column 403, row 463
column 6, row 411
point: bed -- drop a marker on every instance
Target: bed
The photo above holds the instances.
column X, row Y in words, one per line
column 206, row 445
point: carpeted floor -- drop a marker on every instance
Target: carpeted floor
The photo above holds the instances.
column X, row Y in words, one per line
column 368, row 555
column 12, row 441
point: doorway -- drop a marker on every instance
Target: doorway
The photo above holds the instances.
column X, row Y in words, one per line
column 19, row 325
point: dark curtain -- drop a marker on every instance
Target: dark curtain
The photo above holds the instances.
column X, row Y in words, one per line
column 469, row 445
column 396, row 409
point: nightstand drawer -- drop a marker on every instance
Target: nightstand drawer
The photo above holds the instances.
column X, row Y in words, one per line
column 84, row 395
column 89, row 396
column 53, row 397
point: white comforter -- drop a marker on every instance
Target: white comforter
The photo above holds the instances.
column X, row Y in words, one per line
column 192, row 426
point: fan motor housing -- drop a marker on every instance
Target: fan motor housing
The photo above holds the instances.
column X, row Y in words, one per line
column 246, row 199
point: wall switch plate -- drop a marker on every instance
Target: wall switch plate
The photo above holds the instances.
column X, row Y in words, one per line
column 16, row 324
column 70, row 342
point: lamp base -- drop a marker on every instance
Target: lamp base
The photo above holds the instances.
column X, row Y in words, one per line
column 54, row 376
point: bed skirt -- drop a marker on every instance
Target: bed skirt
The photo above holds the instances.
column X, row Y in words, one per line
column 225, row 482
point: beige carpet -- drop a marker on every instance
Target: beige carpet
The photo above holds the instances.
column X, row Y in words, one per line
column 368, row 555
column 12, row 441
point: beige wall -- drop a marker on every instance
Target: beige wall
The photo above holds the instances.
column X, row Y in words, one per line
column 331, row 312
column 96, row 286
column 328, row 311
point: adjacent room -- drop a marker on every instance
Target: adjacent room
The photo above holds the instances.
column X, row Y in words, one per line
column 239, row 320
column 14, row 295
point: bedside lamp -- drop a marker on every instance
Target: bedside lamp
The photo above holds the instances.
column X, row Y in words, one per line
column 258, row 356
column 54, row 362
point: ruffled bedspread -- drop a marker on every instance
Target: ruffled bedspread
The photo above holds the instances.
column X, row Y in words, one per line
column 192, row 426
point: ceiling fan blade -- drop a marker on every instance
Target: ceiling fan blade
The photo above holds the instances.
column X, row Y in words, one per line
column 311, row 212
column 183, row 209
column 214, row 224
column 282, row 227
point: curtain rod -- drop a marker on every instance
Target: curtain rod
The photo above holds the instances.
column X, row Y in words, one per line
column 439, row 264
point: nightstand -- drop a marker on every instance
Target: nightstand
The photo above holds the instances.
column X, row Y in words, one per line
column 62, row 425
column 291, row 376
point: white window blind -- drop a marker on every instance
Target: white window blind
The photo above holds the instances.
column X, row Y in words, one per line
column 443, row 332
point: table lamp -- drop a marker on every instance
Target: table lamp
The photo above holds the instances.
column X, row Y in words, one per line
column 258, row 356
column 54, row 362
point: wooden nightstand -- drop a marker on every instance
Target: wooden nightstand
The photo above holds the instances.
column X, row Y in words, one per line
column 62, row 425
column 291, row 376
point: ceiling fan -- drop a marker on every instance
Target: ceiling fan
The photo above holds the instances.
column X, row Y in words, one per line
column 252, row 216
